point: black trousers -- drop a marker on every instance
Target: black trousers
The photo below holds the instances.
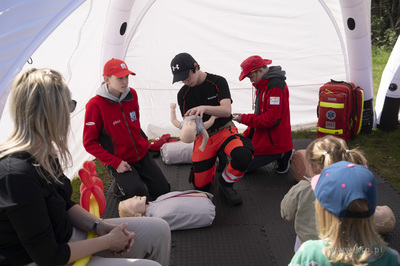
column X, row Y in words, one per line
column 145, row 179
column 261, row 160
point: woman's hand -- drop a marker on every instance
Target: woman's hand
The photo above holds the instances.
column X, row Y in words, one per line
column 104, row 228
column 120, row 239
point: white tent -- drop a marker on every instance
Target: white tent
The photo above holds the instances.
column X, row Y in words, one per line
column 390, row 75
column 310, row 39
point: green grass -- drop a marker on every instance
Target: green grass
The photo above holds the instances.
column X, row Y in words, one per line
column 379, row 60
column 101, row 173
column 383, row 154
column 381, row 148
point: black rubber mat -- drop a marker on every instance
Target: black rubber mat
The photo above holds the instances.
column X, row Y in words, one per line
column 250, row 234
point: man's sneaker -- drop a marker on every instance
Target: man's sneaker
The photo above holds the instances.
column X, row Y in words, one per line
column 231, row 195
column 284, row 163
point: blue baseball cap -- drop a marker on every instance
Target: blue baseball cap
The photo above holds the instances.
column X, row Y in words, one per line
column 340, row 184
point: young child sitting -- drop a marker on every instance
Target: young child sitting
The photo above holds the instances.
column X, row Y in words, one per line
column 191, row 127
column 346, row 197
column 181, row 209
column 297, row 203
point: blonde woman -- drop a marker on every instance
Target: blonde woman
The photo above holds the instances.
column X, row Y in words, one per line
column 38, row 221
column 298, row 203
column 345, row 203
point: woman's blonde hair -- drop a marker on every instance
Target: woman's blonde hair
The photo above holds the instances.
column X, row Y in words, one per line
column 353, row 240
column 328, row 150
column 40, row 104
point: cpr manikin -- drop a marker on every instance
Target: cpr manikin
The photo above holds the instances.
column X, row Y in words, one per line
column 191, row 127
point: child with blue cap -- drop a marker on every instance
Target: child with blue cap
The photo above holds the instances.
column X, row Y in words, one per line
column 346, row 198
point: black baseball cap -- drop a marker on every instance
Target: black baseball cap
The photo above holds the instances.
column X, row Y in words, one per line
column 181, row 64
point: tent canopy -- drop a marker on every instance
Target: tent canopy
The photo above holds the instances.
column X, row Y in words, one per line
column 307, row 38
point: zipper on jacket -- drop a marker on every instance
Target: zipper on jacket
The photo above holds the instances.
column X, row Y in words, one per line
column 114, row 147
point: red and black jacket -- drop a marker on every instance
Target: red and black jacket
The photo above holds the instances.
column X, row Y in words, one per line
column 270, row 130
column 112, row 130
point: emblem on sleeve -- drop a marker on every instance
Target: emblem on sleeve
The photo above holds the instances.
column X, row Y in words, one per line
column 274, row 100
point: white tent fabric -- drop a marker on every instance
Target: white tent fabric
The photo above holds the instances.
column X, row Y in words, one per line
column 391, row 74
column 307, row 38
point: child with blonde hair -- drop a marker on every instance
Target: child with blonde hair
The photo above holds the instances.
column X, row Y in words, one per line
column 346, row 197
column 297, row 204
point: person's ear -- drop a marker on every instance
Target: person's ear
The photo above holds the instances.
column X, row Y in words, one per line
column 313, row 170
column 195, row 67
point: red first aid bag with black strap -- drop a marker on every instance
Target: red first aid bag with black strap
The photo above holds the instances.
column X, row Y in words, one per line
column 340, row 109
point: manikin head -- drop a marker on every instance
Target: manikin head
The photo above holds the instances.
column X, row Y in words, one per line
column 188, row 131
column 133, row 207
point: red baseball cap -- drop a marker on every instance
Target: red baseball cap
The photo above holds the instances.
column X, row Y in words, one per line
column 251, row 64
column 117, row 68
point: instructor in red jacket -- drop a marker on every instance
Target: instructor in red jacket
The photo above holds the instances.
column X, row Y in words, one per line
column 112, row 134
column 269, row 127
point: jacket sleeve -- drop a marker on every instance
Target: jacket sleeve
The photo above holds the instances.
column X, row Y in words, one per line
column 289, row 203
column 246, row 133
column 271, row 114
column 91, row 132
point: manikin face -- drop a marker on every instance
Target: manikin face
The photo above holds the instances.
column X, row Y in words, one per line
column 136, row 205
column 117, row 85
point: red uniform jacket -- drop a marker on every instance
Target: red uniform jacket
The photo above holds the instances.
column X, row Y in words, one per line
column 270, row 131
column 112, row 130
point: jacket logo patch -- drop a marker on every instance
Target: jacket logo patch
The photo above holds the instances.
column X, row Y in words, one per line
column 133, row 116
column 116, row 122
column 90, row 123
column 274, row 100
